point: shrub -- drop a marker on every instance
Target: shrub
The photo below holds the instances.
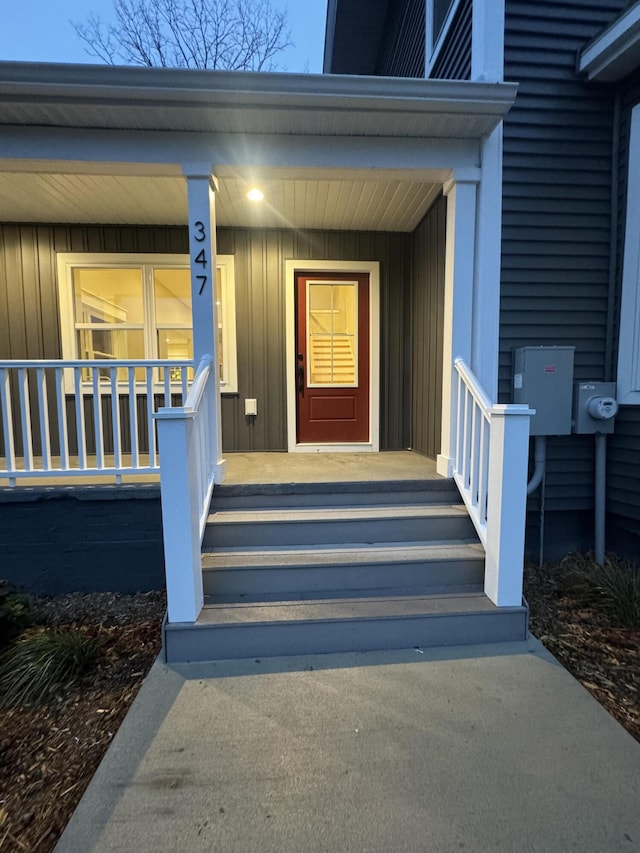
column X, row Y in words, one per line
column 42, row 662
column 14, row 612
column 612, row 589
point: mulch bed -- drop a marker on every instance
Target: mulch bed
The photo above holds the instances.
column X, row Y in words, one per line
column 49, row 755
column 602, row 656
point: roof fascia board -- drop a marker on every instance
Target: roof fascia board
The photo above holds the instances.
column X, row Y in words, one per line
column 615, row 52
column 40, row 83
column 58, row 145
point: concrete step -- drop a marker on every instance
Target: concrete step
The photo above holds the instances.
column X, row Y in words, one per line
column 292, row 570
column 326, row 525
column 274, row 495
column 343, row 625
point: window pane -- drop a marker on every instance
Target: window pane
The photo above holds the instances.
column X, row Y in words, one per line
column 332, row 334
column 175, row 344
column 172, row 293
column 111, row 344
column 108, row 295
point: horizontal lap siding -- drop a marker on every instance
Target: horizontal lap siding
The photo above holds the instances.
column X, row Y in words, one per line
column 623, row 468
column 454, row 59
column 556, row 209
column 29, row 321
column 402, row 48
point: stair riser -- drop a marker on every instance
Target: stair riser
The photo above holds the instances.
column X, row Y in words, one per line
column 221, row 534
column 288, row 580
column 208, row 643
column 335, row 499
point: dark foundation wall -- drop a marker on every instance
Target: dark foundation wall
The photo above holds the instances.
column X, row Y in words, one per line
column 29, row 321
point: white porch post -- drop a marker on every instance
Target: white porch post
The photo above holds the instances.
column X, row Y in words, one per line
column 487, row 41
column 201, row 189
column 507, row 504
column 458, row 304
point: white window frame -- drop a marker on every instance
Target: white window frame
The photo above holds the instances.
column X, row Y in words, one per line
column 629, row 339
column 68, row 262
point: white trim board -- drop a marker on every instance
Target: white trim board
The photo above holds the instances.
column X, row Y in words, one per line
column 629, row 340
column 373, row 270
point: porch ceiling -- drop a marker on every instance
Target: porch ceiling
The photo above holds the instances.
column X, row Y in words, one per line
column 334, row 201
column 66, row 130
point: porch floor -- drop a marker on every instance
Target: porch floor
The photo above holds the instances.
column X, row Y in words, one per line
column 274, row 467
column 253, row 468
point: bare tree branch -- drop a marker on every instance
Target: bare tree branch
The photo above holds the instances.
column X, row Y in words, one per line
column 238, row 35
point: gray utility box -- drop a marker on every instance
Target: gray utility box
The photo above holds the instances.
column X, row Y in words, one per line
column 594, row 407
column 543, row 378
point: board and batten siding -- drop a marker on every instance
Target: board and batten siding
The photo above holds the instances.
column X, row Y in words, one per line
column 30, row 328
column 623, row 462
column 454, row 58
column 427, row 325
column 556, row 210
column 402, row 48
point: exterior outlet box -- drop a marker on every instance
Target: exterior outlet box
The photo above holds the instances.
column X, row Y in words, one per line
column 594, row 407
column 543, row 379
column 250, row 406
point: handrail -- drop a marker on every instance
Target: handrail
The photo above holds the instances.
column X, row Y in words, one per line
column 490, row 469
column 194, row 397
column 473, row 384
column 94, row 362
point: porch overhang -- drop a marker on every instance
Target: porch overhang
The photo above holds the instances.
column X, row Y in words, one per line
column 184, row 100
column 615, row 52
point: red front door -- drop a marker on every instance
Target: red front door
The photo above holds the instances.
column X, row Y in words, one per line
column 332, row 357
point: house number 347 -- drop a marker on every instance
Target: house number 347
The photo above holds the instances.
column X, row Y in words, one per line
column 199, row 236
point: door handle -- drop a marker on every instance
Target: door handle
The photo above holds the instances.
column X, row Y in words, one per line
column 300, row 372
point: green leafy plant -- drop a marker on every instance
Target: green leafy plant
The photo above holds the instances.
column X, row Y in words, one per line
column 42, row 662
column 14, row 612
column 612, row 589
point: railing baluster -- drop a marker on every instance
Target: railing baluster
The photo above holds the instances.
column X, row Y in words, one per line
column 151, row 427
column 97, row 419
column 482, row 470
column 43, row 412
column 81, row 432
column 167, row 387
column 61, row 405
column 184, row 377
column 115, row 419
column 473, row 474
column 133, row 418
column 465, row 452
column 25, row 418
column 7, row 424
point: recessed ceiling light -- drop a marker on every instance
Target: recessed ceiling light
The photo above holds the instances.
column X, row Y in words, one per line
column 255, row 194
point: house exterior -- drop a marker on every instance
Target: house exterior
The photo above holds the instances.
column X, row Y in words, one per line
column 567, row 183
column 425, row 226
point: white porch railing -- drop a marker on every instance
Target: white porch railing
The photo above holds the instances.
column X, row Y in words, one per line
column 490, row 469
column 72, row 418
column 187, row 440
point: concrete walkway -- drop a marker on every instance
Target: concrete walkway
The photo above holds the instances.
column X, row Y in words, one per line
column 491, row 748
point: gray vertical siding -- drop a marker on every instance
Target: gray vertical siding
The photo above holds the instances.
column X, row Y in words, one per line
column 454, row 59
column 29, row 322
column 556, row 209
column 402, row 48
column 427, row 323
column 623, row 469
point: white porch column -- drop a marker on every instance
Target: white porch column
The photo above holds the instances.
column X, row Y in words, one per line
column 486, row 293
column 458, row 304
column 201, row 189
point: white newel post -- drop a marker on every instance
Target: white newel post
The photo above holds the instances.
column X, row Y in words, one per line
column 507, row 504
column 201, row 189
column 183, row 567
column 458, row 305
